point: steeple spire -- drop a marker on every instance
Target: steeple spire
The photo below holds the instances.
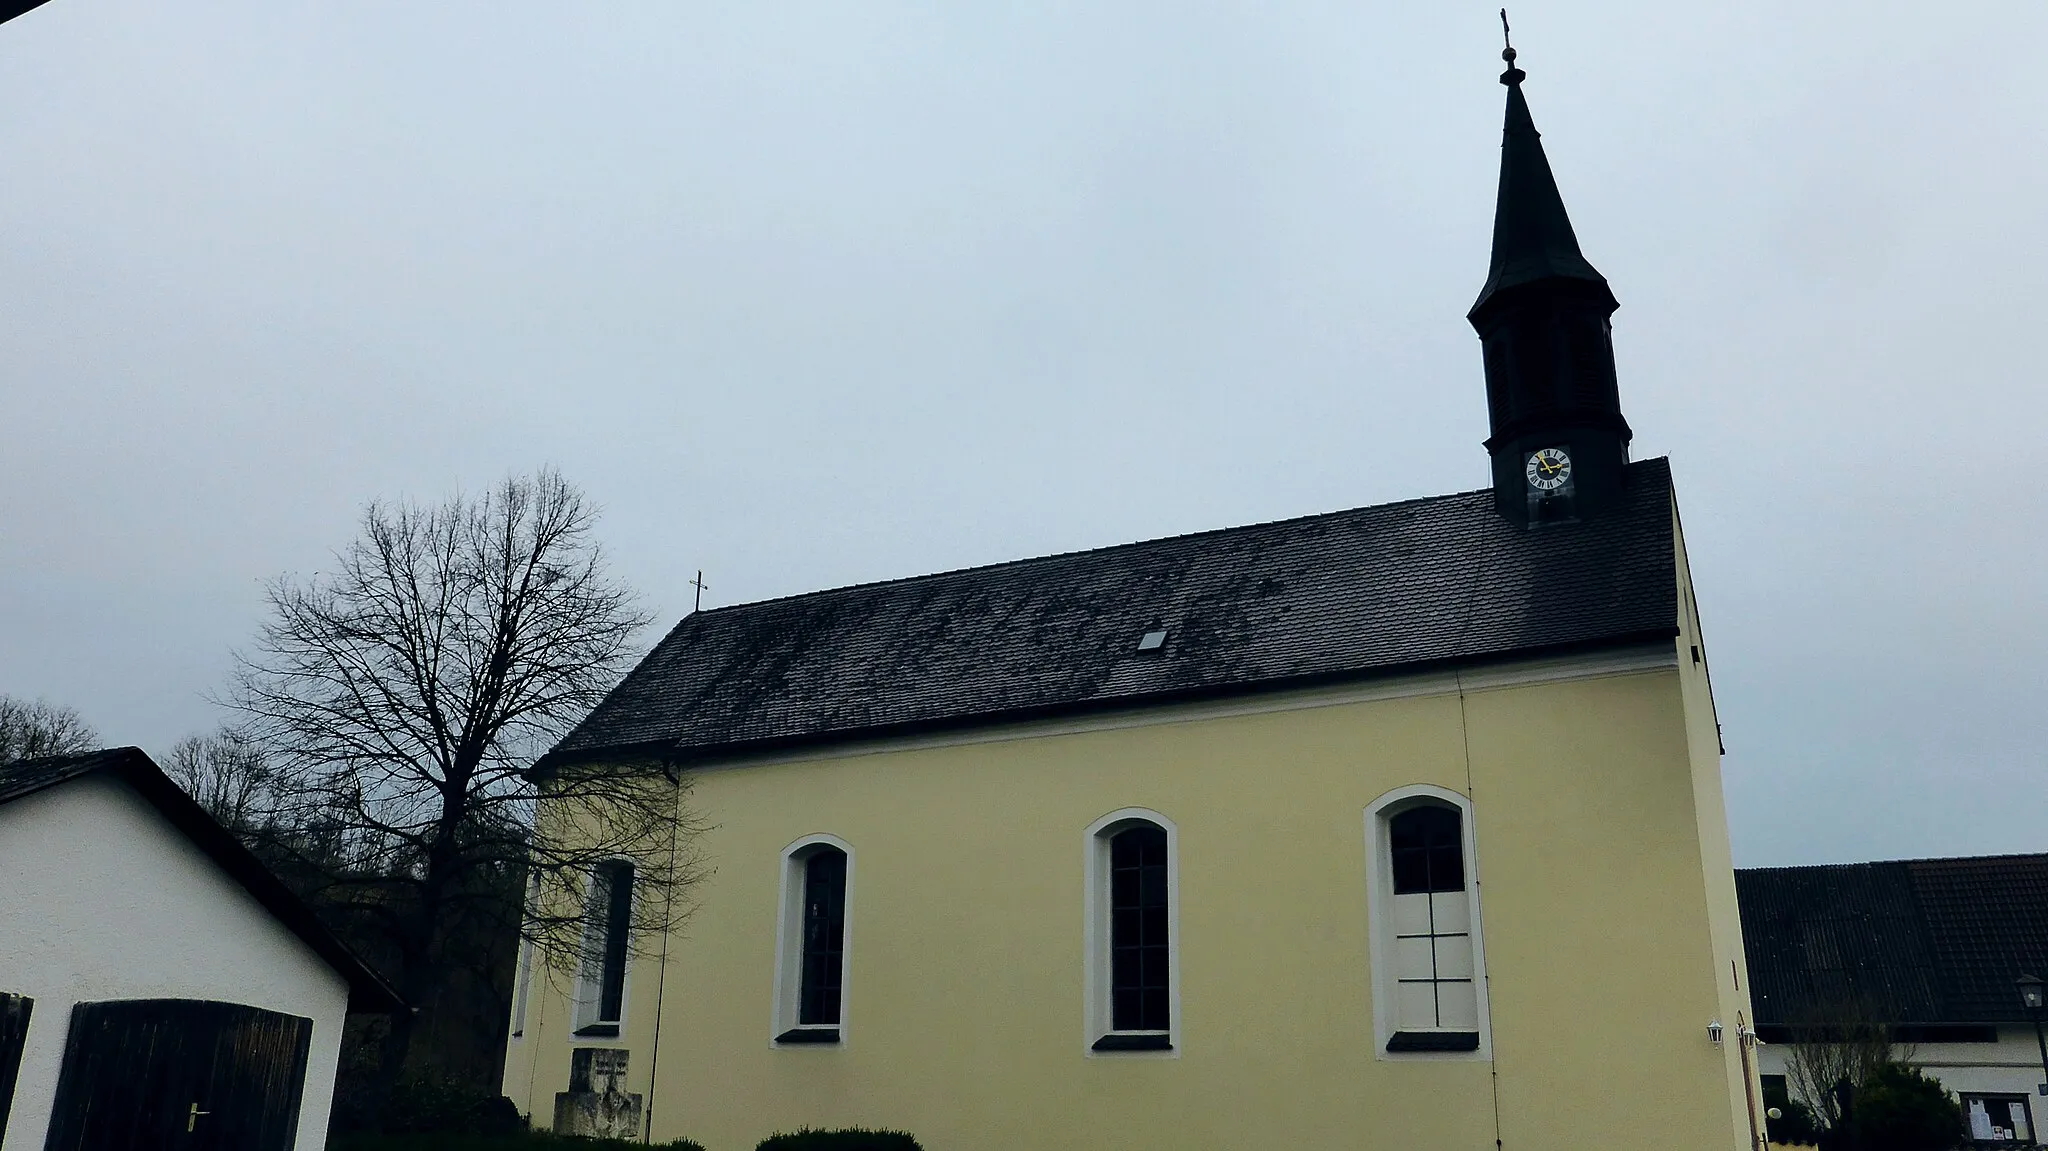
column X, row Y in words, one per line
column 1542, row 319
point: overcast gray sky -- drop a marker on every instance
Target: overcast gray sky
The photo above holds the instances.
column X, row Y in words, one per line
column 813, row 294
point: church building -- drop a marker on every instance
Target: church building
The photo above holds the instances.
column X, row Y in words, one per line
column 1396, row 827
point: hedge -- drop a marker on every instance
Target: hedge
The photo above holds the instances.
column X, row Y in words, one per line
column 848, row 1139
column 525, row 1141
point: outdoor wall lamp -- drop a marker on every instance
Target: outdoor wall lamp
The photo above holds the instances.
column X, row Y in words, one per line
column 1714, row 1031
column 2030, row 998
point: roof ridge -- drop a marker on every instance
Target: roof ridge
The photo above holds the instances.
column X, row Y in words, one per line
column 1048, row 557
column 2041, row 855
column 1102, row 549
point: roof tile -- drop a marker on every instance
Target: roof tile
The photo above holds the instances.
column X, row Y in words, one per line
column 1349, row 593
column 1920, row 941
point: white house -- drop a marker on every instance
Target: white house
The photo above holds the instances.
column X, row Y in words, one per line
column 155, row 979
column 1931, row 949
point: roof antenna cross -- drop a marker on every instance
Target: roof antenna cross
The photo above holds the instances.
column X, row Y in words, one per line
column 1513, row 75
column 701, row 587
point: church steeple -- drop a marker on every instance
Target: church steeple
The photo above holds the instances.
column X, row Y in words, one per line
column 1559, row 440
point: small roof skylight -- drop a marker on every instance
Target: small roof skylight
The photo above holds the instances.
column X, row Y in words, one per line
column 1153, row 640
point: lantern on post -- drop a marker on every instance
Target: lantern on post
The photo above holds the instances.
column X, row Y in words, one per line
column 2032, row 998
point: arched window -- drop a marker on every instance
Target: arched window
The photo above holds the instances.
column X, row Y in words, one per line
column 1432, row 922
column 1138, row 981
column 607, row 930
column 824, row 937
column 1132, row 876
column 810, row 998
column 1429, row 988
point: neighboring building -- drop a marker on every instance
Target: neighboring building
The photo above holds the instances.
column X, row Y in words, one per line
column 158, row 987
column 1928, row 947
column 1397, row 827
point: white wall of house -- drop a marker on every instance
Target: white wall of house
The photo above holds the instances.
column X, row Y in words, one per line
column 2010, row 1066
column 104, row 899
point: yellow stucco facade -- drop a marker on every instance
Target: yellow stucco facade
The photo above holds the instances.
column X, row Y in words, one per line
column 1603, row 882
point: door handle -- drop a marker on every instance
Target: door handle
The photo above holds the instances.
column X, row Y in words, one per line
column 192, row 1118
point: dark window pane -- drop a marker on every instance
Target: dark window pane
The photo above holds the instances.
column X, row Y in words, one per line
column 1155, row 966
column 1139, row 975
column 1447, row 868
column 1155, row 925
column 1125, row 924
column 1123, row 887
column 1427, row 826
column 616, row 891
column 1124, row 967
column 1153, row 842
column 1411, row 871
column 1126, row 850
column 1129, row 1010
column 1152, row 887
column 1157, row 1017
column 1426, row 850
column 824, row 936
column 1143, row 843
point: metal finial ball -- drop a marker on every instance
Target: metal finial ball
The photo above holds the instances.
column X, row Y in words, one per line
column 1508, row 54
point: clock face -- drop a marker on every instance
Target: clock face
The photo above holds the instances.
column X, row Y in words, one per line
column 1548, row 469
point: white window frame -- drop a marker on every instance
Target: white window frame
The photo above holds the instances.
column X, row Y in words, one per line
column 522, row 973
column 789, row 942
column 588, row 1002
column 1380, row 918
column 1096, row 933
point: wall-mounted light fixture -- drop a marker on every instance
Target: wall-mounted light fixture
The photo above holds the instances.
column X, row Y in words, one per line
column 1714, row 1031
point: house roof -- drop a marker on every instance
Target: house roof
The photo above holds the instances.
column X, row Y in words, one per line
column 1398, row 587
column 23, row 778
column 1911, row 941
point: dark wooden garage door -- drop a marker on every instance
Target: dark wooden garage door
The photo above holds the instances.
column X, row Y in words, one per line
column 180, row 1074
column 14, row 1013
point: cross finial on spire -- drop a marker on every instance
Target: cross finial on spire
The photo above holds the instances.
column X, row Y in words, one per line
column 1513, row 75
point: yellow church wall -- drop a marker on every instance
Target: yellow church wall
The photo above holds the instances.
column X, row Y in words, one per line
column 964, row 1018
column 1703, row 743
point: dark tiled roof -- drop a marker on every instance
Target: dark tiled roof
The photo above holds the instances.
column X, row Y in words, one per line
column 1399, row 586
column 1913, row 941
column 367, row 990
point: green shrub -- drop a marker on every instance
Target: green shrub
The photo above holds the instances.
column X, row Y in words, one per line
column 1900, row 1109
column 847, row 1139
column 428, row 1105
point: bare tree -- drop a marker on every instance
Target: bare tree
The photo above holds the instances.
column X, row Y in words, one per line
column 402, row 699
column 1847, row 1041
column 228, row 775
column 30, row 729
